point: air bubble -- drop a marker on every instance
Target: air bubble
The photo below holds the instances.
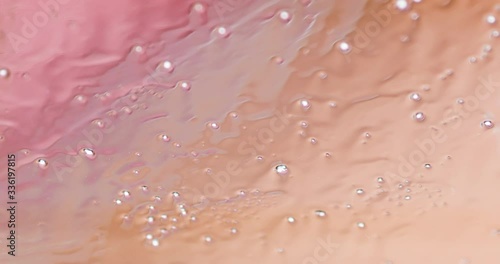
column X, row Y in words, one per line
column 214, row 125
column 234, row 230
column 495, row 34
column 149, row 236
column 419, row 116
column 360, row 191
column 126, row 194
column 138, row 49
column 344, row 47
column 487, row 124
column 222, row 32
column 207, row 239
column 305, row 104
column 407, row 197
column 185, row 85
column 42, row 164
column 380, row 180
column 199, row 8
column 402, row 5
column 155, row 242
column 167, row 65
column 285, row 16
column 491, row 19
column 487, row 48
column 89, row 153
column 360, row 225
column 320, row 213
column 428, row 166
column 165, row 138
column 4, row 73
column 118, row 202
column 290, row 219
column 415, row 97
column 281, row 169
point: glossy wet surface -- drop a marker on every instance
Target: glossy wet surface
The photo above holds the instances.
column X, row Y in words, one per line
column 254, row 131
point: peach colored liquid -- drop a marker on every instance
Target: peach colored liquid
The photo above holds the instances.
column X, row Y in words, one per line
column 253, row 131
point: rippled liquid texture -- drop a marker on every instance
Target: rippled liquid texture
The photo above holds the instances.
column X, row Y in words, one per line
column 239, row 131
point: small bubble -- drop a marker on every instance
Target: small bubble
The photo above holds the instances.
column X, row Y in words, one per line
column 419, row 116
column 222, row 32
column 185, row 85
column 360, row 191
column 42, row 164
column 322, row 75
column 82, row 99
column 126, row 194
column 150, row 219
column 285, row 16
column 361, row 225
column 348, row 206
column 487, row 48
column 491, row 19
column 472, row 59
column 207, row 239
column 428, row 166
column 460, row 101
column 118, row 202
column 415, row 97
column 368, row 135
column 149, row 236
column 407, row 197
column 192, row 218
column 380, row 180
column 290, row 219
column 175, row 194
column 165, row 138
column 89, row 153
column 332, row 104
column 314, row 141
column 304, row 124
column 138, row 49
column 495, row 34
column 402, row 5
column 234, row 230
column 214, row 125
column 167, row 65
column 320, row 213
column 4, row 73
column 414, row 16
column 305, row 104
column 344, row 47
column 155, row 242
column 281, row 169
column 199, row 8
column 487, row 124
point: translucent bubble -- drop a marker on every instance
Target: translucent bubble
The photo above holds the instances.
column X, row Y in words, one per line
column 222, row 32
column 407, row 197
column 414, row 16
column 82, row 99
column 149, row 236
column 4, row 73
column 487, row 124
column 118, row 202
column 320, row 213
column 402, row 5
column 150, row 219
column 495, row 34
column 428, row 166
column 234, row 230
column 360, row 191
column 138, row 49
column 164, row 137
column 167, row 65
column 460, row 101
column 42, row 164
column 380, row 180
column 304, row 124
column 419, row 116
column 89, row 153
column 185, row 85
column 199, row 8
column 487, row 48
column 305, row 104
column 344, row 47
column 415, row 97
column 207, row 239
column 472, row 59
column 281, row 169
column 290, row 219
column 126, row 194
column 155, row 242
column 491, row 19
column 214, row 125
column 285, row 16
column 176, row 194
column 360, row 225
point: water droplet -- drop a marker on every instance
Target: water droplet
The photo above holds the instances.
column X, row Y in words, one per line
column 164, row 137
column 234, row 230
column 81, row 99
column 167, row 65
column 176, row 194
column 285, row 16
column 428, row 166
column 222, row 32
column 344, row 47
column 305, row 104
column 199, row 8
column 138, row 49
column 118, row 202
column 361, row 225
column 314, row 141
column 419, row 116
column 368, row 135
column 360, row 191
column 150, row 219
column 126, row 194
column 495, row 34
column 320, row 213
column 304, row 124
column 290, row 219
column 407, row 197
column 214, row 125
column 487, row 124
column 185, row 85
column 207, row 239
column 281, row 169
column 89, row 153
column 155, row 242
column 4, row 73
column 380, row 180
column 460, row 101
column 487, row 48
column 415, row 97
column 42, row 164
column 402, row 5
column 491, row 19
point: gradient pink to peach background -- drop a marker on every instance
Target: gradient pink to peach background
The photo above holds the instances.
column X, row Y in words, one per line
column 152, row 131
